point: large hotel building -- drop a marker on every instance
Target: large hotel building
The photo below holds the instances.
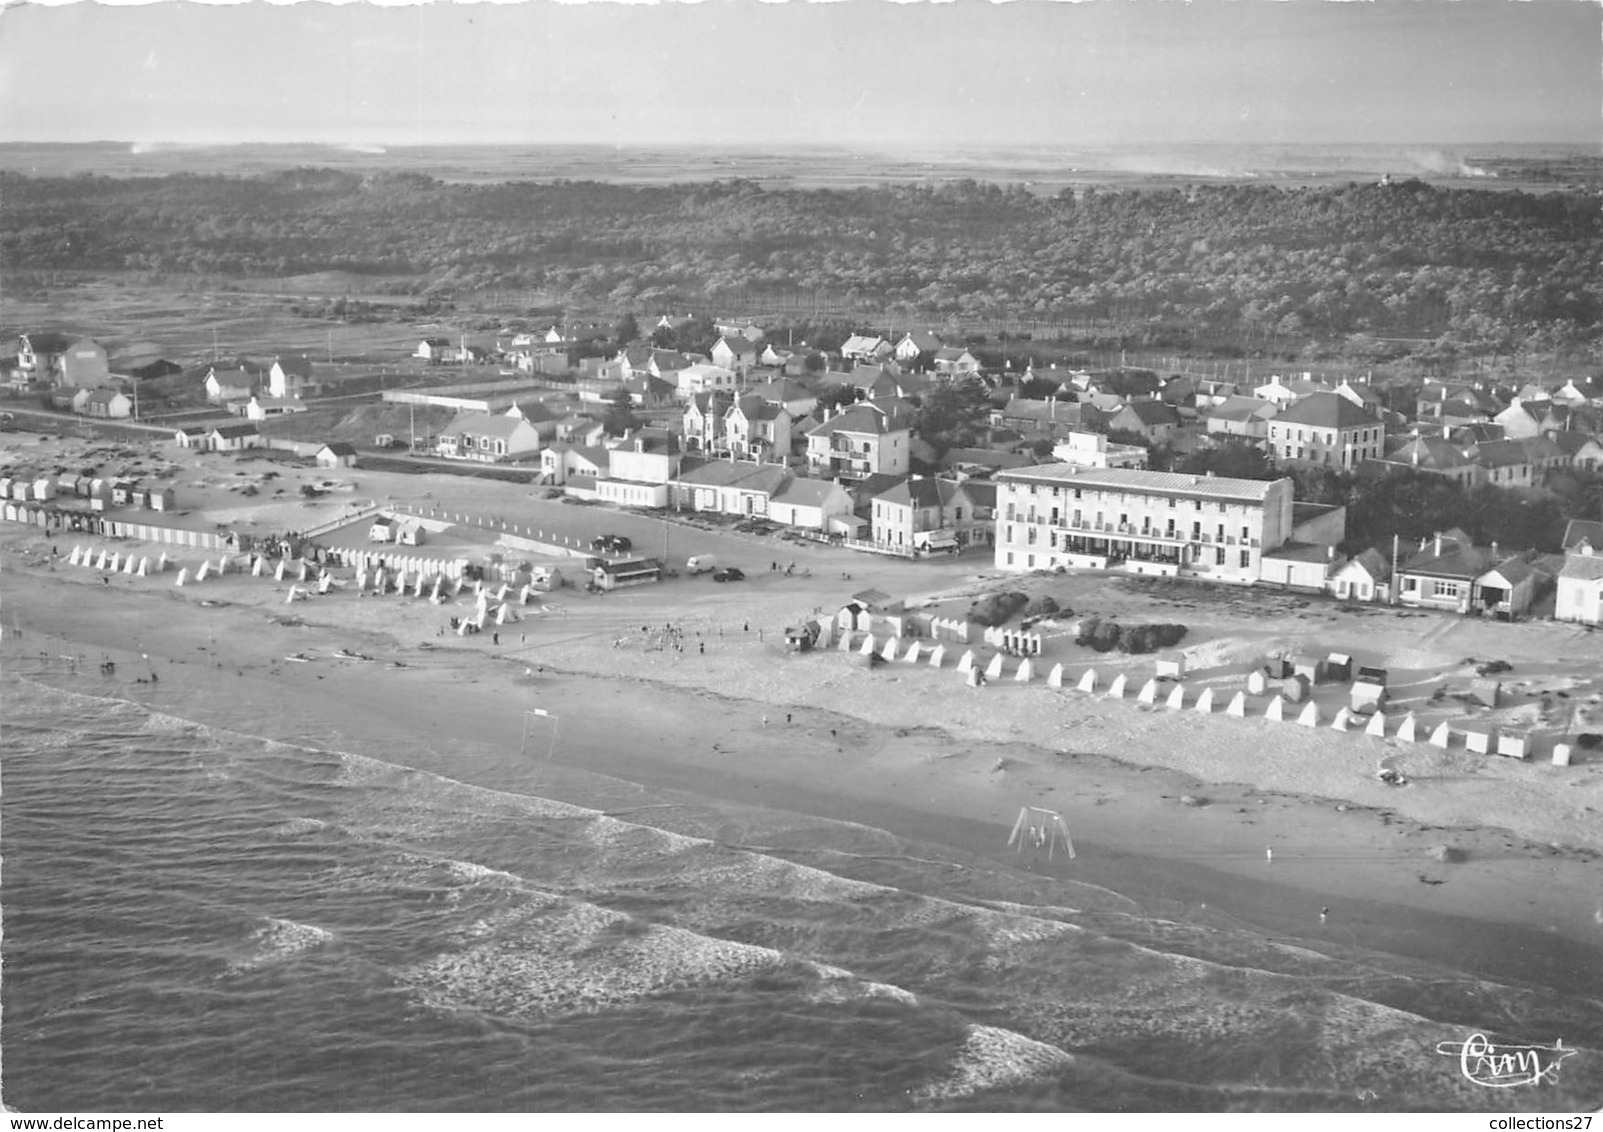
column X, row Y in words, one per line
column 1145, row 522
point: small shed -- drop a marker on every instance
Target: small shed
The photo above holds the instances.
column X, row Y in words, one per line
column 382, row 530
column 161, row 499
column 803, row 637
column 1309, row 668
column 337, row 454
column 1339, row 666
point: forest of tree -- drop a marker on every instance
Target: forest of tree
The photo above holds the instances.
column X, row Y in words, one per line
column 1460, row 272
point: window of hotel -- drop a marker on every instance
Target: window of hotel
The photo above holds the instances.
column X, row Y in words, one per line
column 1010, row 558
column 1221, row 532
column 1246, row 559
column 1196, row 531
column 1246, row 533
column 1219, row 557
column 1031, row 562
column 1077, row 516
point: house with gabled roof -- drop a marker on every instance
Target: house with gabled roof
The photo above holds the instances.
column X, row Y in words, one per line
column 231, row 384
column 916, row 344
column 1323, row 428
column 1153, row 420
column 810, row 504
column 1053, row 416
column 260, row 408
column 1364, row 577
column 798, row 400
column 1589, row 455
column 580, row 466
column 861, row 440
column 734, row 352
column 39, row 353
column 923, row 514
column 1431, row 455
column 1243, row 417
column 953, row 361
column 433, row 350
column 1448, row 572
column 193, row 436
column 291, row 377
column 865, row 348
column 108, row 403
column 488, row 438
column 1506, row 590
column 1580, row 586
column 1505, row 463
column 756, row 429
column 703, row 422
column 336, row 454
column 235, row 437
column 1523, row 418
column 666, row 364
column 730, row 487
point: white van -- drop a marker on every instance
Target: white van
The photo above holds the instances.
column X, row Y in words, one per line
column 701, row 563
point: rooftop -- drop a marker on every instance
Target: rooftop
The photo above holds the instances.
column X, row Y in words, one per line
column 1149, row 483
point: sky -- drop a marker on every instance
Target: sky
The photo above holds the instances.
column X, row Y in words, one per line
column 905, row 76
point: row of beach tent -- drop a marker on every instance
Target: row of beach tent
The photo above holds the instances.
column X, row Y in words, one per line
column 1174, row 696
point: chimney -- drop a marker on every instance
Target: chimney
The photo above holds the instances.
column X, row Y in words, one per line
column 1494, row 552
column 1330, row 554
column 1438, row 544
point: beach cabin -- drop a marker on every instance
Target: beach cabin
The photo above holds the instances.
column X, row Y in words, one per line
column 382, row 530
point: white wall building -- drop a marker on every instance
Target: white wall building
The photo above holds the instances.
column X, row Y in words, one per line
column 1147, row 522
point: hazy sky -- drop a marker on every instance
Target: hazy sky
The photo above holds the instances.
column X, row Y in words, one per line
column 854, row 72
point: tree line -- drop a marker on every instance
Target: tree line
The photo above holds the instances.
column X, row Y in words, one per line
column 1473, row 272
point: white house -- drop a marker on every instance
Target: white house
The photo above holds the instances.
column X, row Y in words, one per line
column 1364, row 577
column 235, row 437
column 810, row 504
column 337, row 454
column 224, row 385
column 703, row 378
column 260, row 408
column 866, row 348
column 487, row 437
column 290, row 377
column 110, row 403
column 1580, row 588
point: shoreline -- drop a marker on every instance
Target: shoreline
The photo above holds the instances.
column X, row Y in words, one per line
column 1513, row 910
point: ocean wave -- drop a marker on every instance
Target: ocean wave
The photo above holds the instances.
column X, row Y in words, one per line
column 836, row 985
column 993, row 1058
column 554, row 956
column 279, row 940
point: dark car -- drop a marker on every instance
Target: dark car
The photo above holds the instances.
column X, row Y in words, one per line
column 728, row 574
column 613, row 544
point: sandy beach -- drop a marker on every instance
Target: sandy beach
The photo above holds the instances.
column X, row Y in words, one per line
column 1205, row 816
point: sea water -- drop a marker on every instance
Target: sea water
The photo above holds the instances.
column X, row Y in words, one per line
column 200, row 920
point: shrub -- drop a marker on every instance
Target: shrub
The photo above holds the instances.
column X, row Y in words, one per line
column 1043, row 606
column 1151, row 638
column 1098, row 633
column 994, row 609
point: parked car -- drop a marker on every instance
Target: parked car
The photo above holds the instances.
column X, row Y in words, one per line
column 701, row 563
column 612, row 544
column 728, row 574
